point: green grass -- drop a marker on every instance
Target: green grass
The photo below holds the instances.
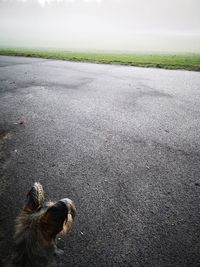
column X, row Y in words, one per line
column 186, row 61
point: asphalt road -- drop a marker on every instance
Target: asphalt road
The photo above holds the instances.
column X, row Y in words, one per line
column 122, row 142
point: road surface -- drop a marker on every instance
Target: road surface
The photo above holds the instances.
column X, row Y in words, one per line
column 122, row 142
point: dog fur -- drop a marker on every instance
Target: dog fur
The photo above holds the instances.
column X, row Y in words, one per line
column 37, row 227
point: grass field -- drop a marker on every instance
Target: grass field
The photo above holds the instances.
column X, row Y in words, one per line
column 186, row 61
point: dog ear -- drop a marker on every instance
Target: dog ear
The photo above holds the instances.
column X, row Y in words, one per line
column 34, row 198
column 58, row 218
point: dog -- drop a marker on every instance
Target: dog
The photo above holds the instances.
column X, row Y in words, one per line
column 37, row 228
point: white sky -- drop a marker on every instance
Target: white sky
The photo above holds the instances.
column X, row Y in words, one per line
column 143, row 25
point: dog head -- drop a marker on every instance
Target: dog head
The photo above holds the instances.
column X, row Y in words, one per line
column 37, row 227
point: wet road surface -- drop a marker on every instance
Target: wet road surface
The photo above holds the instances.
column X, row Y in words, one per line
column 122, row 142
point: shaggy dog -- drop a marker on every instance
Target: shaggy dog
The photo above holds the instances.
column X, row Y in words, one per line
column 37, row 227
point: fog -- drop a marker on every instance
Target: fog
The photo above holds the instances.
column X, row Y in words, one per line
column 128, row 25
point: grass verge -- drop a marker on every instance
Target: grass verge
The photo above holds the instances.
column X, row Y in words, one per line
column 186, row 61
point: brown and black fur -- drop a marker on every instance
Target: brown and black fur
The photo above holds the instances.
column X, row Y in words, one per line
column 37, row 227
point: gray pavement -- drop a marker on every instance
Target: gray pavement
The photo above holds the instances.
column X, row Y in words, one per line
column 122, row 142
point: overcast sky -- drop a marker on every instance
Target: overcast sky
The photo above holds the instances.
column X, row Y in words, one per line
column 140, row 25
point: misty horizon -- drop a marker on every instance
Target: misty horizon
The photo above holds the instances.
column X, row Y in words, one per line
column 168, row 26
